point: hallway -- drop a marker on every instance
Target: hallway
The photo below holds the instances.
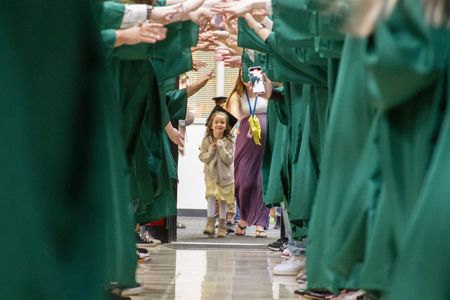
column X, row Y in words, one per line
column 213, row 274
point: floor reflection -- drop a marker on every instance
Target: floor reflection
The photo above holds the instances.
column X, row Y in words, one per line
column 213, row 274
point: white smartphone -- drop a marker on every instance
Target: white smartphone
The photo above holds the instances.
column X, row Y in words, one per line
column 256, row 78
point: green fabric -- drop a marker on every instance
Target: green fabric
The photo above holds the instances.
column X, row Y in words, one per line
column 61, row 159
column 347, row 133
column 146, row 142
column 179, row 39
column 410, row 122
column 307, row 151
column 122, row 254
column 386, row 159
column 307, row 122
column 263, row 60
column 108, row 41
column 289, row 64
column 174, row 42
column 111, row 15
column 177, row 104
column 247, row 38
column 293, row 23
column 273, row 158
column 172, row 66
column 154, row 157
column 191, row 31
column 421, row 271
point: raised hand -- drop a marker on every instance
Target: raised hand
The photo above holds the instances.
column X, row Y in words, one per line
column 233, row 61
column 200, row 15
column 143, row 33
column 236, row 8
column 166, row 14
column 197, row 65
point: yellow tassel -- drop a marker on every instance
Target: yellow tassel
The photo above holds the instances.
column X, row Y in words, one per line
column 255, row 128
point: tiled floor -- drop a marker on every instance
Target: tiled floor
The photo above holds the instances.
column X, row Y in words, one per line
column 213, row 274
column 195, row 225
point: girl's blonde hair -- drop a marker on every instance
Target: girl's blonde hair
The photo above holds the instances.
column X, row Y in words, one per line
column 209, row 131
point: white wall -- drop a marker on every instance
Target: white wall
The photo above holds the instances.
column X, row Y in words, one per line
column 191, row 186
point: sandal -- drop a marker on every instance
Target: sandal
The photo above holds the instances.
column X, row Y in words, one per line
column 260, row 233
column 240, row 230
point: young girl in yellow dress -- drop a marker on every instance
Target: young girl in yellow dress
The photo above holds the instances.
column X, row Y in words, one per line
column 217, row 153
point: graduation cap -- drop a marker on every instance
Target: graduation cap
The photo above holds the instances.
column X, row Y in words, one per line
column 220, row 99
column 232, row 120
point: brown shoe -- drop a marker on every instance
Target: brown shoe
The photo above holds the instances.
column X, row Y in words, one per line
column 230, row 218
column 209, row 229
column 222, row 232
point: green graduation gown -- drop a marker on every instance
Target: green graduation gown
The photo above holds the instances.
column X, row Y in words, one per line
column 60, row 163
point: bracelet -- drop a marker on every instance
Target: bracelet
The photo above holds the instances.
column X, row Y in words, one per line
column 149, row 12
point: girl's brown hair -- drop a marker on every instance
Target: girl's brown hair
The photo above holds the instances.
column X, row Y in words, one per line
column 238, row 89
column 209, row 131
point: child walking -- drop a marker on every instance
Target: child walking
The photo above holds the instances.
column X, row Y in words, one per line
column 217, row 153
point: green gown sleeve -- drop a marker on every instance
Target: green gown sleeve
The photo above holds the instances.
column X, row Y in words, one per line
column 247, row 38
column 191, row 31
column 290, row 65
column 294, row 24
column 108, row 41
column 173, row 66
column 177, row 104
column 404, row 62
column 112, row 14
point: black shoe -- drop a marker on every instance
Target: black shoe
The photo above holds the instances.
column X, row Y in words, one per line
column 278, row 245
column 142, row 250
column 317, row 294
column 143, row 240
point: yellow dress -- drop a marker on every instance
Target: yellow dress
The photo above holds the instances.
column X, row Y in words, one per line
column 219, row 168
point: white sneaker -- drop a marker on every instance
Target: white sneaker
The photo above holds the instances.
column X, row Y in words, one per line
column 132, row 291
column 143, row 257
column 149, row 237
column 286, row 254
column 290, row 267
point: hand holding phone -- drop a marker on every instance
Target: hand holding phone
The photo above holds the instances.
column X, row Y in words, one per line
column 257, row 80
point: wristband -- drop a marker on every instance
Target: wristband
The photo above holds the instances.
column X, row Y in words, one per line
column 149, row 12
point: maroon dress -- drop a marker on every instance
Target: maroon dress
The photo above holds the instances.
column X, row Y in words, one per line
column 248, row 175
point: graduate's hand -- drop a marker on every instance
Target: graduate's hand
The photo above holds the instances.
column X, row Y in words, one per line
column 174, row 135
column 221, row 34
column 190, row 117
column 166, row 14
column 143, row 33
column 191, row 5
column 210, row 75
column 200, row 16
column 237, row 8
column 211, row 3
column 268, row 86
column 213, row 146
column 233, row 61
column 203, row 46
column 198, row 64
column 437, row 12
